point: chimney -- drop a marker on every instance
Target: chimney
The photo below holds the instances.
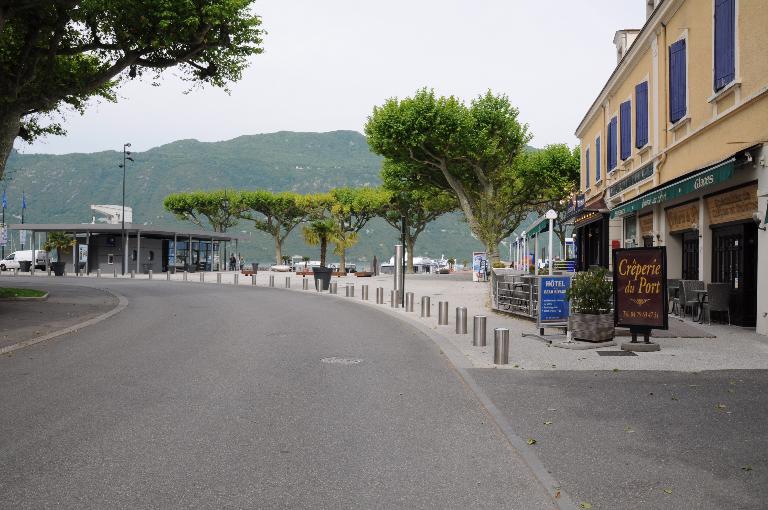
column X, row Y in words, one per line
column 650, row 6
column 623, row 39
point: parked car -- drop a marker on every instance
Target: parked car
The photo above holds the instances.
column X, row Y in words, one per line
column 14, row 260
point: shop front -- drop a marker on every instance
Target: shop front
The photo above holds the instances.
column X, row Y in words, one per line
column 591, row 226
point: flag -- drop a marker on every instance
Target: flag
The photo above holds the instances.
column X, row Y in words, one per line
column 23, row 201
column 5, row 200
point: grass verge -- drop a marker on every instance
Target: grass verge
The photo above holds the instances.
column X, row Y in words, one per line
column 8, row 292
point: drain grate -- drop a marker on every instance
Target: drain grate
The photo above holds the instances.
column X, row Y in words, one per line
column 341, row 361
column 616, row 353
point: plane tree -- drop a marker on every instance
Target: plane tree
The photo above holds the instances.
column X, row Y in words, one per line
column 55, row 55
column 217, row 210
column 470, row 150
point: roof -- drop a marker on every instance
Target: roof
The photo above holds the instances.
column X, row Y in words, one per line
column 106, row 228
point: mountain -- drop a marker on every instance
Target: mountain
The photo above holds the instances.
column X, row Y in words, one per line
column 61, row 188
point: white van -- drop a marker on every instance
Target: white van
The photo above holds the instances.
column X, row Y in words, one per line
column 41, row 258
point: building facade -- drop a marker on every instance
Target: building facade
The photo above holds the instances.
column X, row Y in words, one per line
column 675, row 149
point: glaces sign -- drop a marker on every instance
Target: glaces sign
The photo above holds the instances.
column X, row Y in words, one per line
column 640, row 288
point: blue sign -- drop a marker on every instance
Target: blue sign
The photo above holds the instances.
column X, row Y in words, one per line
column 553, row 305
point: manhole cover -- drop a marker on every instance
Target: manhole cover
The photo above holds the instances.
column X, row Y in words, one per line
column 341, row 361
column 616, row 353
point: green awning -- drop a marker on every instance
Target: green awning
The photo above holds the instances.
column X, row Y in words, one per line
column 699, row 181
column 541, row 225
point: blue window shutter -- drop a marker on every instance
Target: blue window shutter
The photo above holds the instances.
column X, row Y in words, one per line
column 725, row 42
column 677, row 81
column 625, row 112
column 587, row 167
column 612, row 144
column 597, row 159
column 641, row 114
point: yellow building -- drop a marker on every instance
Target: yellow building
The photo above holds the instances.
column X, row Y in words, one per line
column 675, row 147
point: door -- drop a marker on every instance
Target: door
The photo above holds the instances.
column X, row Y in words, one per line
column 734, row 261
column 690, row 256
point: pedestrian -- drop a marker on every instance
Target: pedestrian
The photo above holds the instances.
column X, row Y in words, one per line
column 232, row 262
column 242, row 262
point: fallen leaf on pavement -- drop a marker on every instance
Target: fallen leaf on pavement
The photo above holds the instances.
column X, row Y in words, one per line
column 531, row 441
column 547, row 423
column 584, row 504
column 746, row 468
column 667, row 491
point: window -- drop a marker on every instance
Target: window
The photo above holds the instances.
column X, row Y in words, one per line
column 641, row 115
column 625, row 112
column 677, row 81
column 151, row 255
column 110, row 259
column 134, row 254
column 725, row 42
column 597, row 159
column 611, row 156
column 587, row 167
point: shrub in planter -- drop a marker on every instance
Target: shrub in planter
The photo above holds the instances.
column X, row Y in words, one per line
column 590, row 296
column 59, row 241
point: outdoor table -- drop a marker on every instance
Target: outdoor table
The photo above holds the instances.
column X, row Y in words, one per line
column 701, row 296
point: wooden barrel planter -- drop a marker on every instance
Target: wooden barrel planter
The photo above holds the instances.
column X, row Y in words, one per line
column 591, row 327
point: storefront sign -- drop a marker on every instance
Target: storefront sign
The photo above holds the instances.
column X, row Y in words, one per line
column 632, row 179
column 683, row 217
column 646, row 225
column 82, row 250
column 640, row 288
column 553, row 305
column 734, row 205
column 699, row 181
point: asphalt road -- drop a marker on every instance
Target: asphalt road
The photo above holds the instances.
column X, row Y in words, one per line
column 642, row 439
column 210, row 397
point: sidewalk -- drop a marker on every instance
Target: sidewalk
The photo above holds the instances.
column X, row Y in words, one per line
column 731, row 348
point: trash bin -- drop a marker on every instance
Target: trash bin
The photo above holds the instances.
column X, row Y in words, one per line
column 255, row 266
column 322, row 277
column 25, row 266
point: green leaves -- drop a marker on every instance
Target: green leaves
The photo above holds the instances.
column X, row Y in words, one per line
column 590, row 292
column 218, row 210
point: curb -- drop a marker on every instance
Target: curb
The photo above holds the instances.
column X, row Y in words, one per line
column 121, row 305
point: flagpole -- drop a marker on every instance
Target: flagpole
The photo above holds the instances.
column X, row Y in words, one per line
column 23, row 206
column 4, row 227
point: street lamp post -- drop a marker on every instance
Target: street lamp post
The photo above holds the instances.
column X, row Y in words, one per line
column 123, row 240
column 551, row 216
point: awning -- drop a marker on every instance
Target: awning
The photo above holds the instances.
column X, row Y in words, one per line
column 541, row 225
column 698, row 181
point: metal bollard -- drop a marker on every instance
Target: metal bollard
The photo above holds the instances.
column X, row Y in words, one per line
column 15, row 272
column 253, row 279
column 461, row 320
column 442, row 313
column 98, row 273
column 150, row 274
column 391, row 298
column 364, row 293
column 271, row 280
column 349, row 291
column 425, row 306
column 185, row 276
column 379, row 295
column 168, row 276
column 478, row 331
column 114, row 272
column 133, row 274
column 218, row 277
column 501, row 346
column 334, row 288
column 304, row 284
column 49, row 271
column 202, row 277
column 287, row 282
column 237, row 278
column 409, row 301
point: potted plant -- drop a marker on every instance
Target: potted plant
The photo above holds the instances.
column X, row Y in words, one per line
column 590, row 296
column 59, row 241
column 321, row 232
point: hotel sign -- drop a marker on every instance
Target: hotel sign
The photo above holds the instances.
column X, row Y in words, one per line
column 640, row 288
column 632, row 179
column 696, row 182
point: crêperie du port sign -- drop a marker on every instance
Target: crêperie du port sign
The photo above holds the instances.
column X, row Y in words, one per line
column 640, row 288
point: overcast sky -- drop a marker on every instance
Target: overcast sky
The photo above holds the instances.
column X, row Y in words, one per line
column 327, row 63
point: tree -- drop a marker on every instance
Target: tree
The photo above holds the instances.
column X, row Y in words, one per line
column 58, row 54
column 59, row 241
column 321, row 232
column 471, row 151
column 276, row 213
column 351, row 209
column 221, row 209
column 556, row 169
column 419, row 204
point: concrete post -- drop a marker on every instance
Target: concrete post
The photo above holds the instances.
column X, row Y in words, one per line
column 425, row 306
column 479, row 331
column 461, row 320
column 501, row 346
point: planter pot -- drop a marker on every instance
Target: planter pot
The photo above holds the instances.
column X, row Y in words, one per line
column 322, row 277
column 591, row 327
column 58, row 268
column 363, row 274
column 25, row 266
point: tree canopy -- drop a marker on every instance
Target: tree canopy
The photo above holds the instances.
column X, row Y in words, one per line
column 470, row 150
column 218, row 210
column 60, row 53
column 351, row 209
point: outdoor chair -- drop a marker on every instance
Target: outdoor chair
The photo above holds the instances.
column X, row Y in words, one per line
column 673, row 293
column 689, row 299
column 718, row 300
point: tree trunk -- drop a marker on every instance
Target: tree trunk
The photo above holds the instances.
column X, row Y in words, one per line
column 343, row 262
column 323, row 251
column 9, row 131
column 278, row 250
column 410, row 243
